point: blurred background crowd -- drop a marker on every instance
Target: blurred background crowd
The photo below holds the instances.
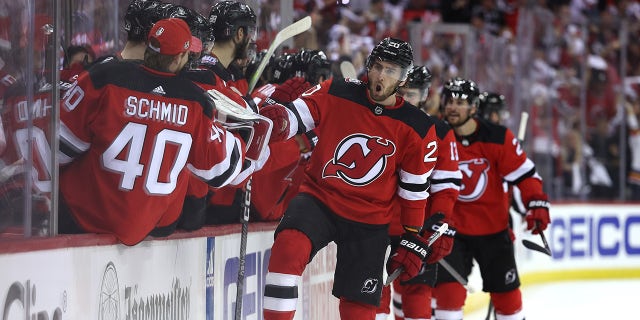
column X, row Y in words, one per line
column 573, row 65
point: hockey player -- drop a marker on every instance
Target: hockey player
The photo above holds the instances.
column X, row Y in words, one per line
column 411, row 298
column 135, row 129
column 234, row 29
column 375, row 149
column 491, row 107
column 488, row 154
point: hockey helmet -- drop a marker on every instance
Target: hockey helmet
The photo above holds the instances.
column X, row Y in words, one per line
column 139, row 18
column 395, row 51
column 284, row 67
column 313, row 65
column 459, row 88
column 489, row 103
column 226, row 17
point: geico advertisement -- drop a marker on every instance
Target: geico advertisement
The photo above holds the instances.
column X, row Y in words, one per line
column 591, row 235
column 222, row 275
column 152, row 280
column 314, row 292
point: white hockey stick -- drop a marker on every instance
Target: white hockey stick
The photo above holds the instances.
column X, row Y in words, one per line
column 441, row 231
column 295, row 28
column 348, row 70
column 522, row 130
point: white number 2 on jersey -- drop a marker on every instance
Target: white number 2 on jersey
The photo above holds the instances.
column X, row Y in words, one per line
column 132, row 137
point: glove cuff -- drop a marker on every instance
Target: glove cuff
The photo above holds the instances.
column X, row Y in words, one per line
column 412, row 243
column 534, row 204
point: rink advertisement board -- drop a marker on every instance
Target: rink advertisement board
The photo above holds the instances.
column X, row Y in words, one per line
column 588, row 236
column 152, row 280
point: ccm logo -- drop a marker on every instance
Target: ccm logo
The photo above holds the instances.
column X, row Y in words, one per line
column 412, row 246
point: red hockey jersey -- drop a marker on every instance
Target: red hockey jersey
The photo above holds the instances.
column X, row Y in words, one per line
column 487, row 157
column 367, row 153
column 133, row 130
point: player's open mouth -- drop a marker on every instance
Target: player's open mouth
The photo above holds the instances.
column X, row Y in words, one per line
column 378, row 88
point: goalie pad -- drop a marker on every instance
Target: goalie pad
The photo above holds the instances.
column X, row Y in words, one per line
column 253, row 128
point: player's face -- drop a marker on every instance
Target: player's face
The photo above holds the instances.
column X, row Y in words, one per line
column 384, row 78
column 457, row 111
column 411, row 95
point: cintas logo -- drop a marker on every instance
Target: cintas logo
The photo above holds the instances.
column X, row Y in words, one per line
column 21, row 299
column 359, row 159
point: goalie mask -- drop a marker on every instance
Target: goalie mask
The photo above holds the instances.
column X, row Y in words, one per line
column 394, row 51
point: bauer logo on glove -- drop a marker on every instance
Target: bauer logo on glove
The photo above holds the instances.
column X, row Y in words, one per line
column 415, row 247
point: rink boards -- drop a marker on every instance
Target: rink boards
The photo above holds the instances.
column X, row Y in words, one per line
column 194, row 275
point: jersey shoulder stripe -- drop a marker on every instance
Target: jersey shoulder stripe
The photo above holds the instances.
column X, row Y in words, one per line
column 442, row 128
column 355, row 91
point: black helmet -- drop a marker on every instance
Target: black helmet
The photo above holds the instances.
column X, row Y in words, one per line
column 198, row 24
column 460, row 88
column 490, row 102
column 227, row 16
column 419, row 77
column 284, row 67
column 140, row 17
column 394, row 51
column 313, row 65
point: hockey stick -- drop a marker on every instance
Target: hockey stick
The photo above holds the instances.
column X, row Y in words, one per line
column 455, row 275
column 443, row 228
column 536, row 247
column 295, row 28
column 348, row 70
column 527, row 243
column 246, row 204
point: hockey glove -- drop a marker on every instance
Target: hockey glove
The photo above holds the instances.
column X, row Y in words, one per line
column 441, row 247
column 307, row 141
column 280, row 118
column 290, row 90
column 410, row 253
column 538, row 215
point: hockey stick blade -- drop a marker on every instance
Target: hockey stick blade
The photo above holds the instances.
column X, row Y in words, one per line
column 348, row 70
column 396, row 273
column 293, row 29
column 535, row 247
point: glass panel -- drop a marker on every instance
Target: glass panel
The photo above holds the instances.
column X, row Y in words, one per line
column 29, row 53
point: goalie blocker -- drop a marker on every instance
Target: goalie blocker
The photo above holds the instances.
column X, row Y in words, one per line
column 254, row 129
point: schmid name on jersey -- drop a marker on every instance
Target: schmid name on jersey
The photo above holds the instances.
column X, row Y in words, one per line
column 162, row 111
column 41, row 109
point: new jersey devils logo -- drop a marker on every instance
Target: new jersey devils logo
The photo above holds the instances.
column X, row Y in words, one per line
column 474, row 179
column 359, row 159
